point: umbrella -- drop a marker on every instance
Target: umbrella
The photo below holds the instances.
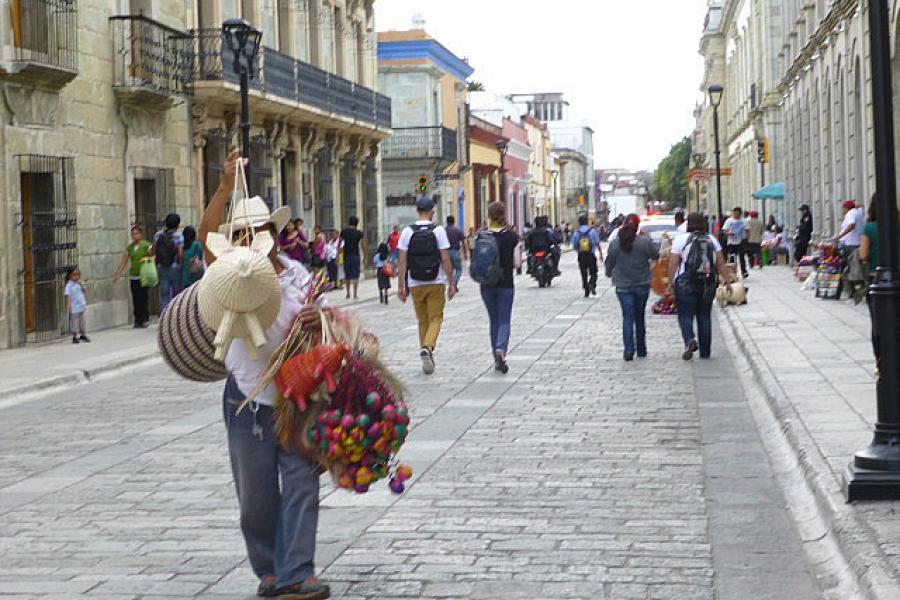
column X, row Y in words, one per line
column 773, row 191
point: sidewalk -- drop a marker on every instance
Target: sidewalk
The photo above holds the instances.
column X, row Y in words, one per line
column 37, row 368
column 813, row 360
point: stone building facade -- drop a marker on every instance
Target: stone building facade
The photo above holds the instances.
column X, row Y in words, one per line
column 117, row 113
column 806, row 64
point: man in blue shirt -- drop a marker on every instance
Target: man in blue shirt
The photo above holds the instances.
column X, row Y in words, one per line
column 736, row 229
column 586, row 243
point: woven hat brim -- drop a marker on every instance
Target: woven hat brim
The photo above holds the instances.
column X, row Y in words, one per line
column 279, row 219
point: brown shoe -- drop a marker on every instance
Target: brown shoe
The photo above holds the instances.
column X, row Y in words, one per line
column 311, row 589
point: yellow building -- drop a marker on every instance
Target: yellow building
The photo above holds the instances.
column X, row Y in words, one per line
column 482, row 180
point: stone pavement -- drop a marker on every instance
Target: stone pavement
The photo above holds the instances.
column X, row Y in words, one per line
column 813, row 359
column 575, row 476
column 40, row 368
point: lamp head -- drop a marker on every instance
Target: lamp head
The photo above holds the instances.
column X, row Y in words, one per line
column 715, row 94
column 243, row 40
column 502, row 145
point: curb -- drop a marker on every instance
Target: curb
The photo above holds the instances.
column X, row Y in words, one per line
column 841, row 546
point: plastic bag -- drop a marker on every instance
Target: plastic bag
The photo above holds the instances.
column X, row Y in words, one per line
column 149, row 274
column 810, row 282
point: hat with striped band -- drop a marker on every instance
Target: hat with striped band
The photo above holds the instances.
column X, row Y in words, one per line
column 186, row 343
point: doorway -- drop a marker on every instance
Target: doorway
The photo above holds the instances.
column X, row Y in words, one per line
column 154, row 198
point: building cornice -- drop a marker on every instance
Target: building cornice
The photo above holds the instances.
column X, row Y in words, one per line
column 395, row 52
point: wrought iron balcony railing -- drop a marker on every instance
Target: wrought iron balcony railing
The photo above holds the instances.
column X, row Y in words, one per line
column 281, row 75
column 45, row 33
column 421, row 142
column 149, row 56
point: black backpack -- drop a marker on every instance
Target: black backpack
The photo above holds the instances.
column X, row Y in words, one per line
column 423, row 255
column 166, row 253
column 700, row 264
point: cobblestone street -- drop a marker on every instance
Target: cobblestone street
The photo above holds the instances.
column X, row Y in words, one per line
column 575, row 476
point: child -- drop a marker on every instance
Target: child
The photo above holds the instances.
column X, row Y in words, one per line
column 75, row 303
column 332, row 251
column 384, row 281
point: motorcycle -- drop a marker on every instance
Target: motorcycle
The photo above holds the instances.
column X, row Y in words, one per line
column 542, row 268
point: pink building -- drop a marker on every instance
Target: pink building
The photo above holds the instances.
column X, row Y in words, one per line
column 516, row 164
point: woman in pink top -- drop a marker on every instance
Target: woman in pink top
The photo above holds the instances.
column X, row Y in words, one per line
column 291, row 243
column 318, row 249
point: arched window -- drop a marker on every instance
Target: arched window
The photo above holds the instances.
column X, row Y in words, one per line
column 858, row 168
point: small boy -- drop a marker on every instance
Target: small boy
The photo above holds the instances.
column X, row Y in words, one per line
column 76, row 304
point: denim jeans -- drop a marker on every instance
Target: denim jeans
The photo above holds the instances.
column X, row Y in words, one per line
column 278, row 522
column 499, row 303
column 169, row 284
column 456, row 261
column 695, row 301
column 634, row 307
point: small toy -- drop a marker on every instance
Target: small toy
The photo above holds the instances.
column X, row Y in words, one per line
column 299, row 376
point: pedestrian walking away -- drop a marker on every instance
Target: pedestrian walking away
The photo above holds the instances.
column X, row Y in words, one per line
column 628, row 263
column 277, row 488
column 167, row 250
column 393, row 244
column 754, row 240
column 735, row 229
column 804, row 232
column 76, row 304
column 696, row 264
column 586, row 243
column 192, row 264
column 354, row 255
column 426, row 274
column 384, row 268
column 458, row 250
column 135, row 253
column 495, row 257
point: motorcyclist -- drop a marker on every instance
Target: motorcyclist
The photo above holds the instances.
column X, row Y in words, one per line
column 542, row 239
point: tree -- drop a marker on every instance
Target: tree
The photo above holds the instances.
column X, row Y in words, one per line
column 670, row 180
column 475, row 86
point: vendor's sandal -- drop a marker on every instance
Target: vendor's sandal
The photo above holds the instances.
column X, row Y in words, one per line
column 311, row 589
column 267, row 587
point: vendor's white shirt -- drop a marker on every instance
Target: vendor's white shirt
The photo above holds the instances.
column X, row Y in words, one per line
column 443, row 243
column 680, row 247
column 246, row 372
column 853, row 217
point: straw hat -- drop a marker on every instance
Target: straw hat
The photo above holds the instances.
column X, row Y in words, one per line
column 239, row 295
column 254, row 212
column 186, row 343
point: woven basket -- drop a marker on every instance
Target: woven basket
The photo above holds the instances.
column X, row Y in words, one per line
column 186, row 343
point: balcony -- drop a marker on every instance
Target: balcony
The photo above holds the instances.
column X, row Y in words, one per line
column 152, row 61
column 289, row 79
column 44, row 35
column 436, row 143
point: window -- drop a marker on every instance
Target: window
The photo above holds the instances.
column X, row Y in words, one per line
column 214, row 154
column 338, row 37
column 44, row 31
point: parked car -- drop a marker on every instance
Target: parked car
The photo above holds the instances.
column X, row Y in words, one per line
column 658, row 225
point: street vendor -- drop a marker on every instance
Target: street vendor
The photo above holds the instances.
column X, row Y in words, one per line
column 277, row 488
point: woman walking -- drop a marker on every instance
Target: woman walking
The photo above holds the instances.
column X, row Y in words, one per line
column 628, row 263
column 135, row 253
column 317, row 259
column 192, row 268
column 498, row 299
column 382, row 258
column 695, row 266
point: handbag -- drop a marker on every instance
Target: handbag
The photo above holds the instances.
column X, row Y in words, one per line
column 149, row 274
column 196, row 268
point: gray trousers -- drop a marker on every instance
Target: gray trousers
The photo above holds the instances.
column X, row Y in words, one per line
column 76, row 323
column 278, row 521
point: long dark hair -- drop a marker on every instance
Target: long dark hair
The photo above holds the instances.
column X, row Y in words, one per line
column 383, row 251
column 190, row 236
column 628, row 233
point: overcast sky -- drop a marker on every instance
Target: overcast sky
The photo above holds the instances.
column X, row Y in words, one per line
column 628, row 67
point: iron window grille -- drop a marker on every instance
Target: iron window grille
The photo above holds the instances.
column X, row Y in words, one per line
column 150, row 55
column 44, row 32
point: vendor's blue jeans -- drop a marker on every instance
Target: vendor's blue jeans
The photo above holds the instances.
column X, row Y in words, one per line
column 695, row 301
column 634, row 307
column 278, row 522
column 499, row 303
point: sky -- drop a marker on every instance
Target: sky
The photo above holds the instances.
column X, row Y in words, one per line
column 630, row 68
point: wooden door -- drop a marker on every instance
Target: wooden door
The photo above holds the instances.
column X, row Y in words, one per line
column 146, row 214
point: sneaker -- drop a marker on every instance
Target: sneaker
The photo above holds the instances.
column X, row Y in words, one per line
column 84, row 338
column 74, row 340
column 500, row 363
column 266, row 588
column 628, row 357
column 427, row 361
column 689, row 350
column 594, row 290
column 311, row 589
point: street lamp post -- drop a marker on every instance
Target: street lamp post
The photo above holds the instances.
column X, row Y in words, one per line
column 502, row 148
column 874, row 473
column 555, row 174
column 697, row 158
column 243, row 40
column 715, row 98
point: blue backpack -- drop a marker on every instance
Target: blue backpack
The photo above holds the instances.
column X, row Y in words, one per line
column 485, row 267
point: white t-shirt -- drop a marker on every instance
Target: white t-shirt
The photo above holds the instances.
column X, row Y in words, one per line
column 682, row 228
column 853, row 217
column 443, row 244
column 246, row 372
column 680, row 247
column 735, row 229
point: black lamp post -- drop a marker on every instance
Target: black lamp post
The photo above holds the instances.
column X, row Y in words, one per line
column 243, row 40
column 502, row 148
column 715, row 98
column 874, row 473
column 698, row 158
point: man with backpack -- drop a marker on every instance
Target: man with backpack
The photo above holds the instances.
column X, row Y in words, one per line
column 168, row 246
column 586, row 243
column 426, row 273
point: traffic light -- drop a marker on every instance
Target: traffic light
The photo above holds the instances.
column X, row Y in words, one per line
column 423, row 185
column 762, row 151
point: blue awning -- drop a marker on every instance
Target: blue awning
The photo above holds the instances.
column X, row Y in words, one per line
column 773, row 191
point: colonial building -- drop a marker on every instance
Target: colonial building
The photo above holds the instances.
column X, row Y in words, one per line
column 482, row 181
column 427, row 86
column 118, row 113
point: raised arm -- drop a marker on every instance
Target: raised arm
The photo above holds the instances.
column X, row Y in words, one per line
column 215, row 212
